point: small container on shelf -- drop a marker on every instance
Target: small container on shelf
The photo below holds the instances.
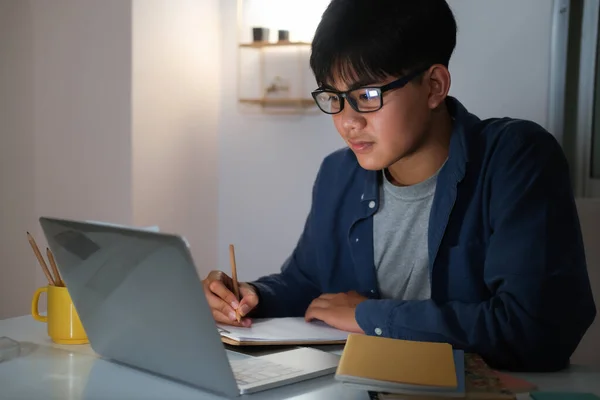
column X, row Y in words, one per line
column 260, row 34
column 283, row 36
column 271, row 65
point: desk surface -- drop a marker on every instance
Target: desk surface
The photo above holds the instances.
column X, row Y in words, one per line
column 51, row 371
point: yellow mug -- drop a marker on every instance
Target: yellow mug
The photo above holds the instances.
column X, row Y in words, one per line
column 64, row 326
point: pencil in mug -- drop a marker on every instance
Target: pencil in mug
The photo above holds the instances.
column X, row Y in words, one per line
column 40, row 259
column 58, row 279
column 236, row 287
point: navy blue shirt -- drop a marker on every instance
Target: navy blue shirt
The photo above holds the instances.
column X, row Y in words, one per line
column 507, row 266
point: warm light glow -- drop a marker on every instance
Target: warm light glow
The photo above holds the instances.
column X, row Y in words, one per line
column 300, row 18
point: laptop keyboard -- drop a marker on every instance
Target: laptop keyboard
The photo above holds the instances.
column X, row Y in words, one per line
column 249, row 371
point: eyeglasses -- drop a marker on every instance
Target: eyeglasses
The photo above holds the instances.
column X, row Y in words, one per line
column 363, row 100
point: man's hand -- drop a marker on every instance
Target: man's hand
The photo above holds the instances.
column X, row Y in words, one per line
column 218, row 288
column 336, row 310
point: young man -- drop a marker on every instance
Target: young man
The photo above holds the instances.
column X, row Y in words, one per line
column 432, row 225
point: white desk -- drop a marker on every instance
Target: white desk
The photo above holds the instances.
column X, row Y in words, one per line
column 50, row 371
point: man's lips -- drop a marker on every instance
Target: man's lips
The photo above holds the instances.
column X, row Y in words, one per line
column 360, row 145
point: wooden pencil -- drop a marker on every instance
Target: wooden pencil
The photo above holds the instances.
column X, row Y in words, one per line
column 236, row 287
column 40, row 259
column 57, row 278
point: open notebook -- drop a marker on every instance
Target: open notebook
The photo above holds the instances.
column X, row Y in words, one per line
column 282, row 331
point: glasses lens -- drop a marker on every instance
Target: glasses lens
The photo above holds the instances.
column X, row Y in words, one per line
column 366, row 99
column 329, row 102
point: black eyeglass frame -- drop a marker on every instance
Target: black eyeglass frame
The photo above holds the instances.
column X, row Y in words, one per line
column 397, row 84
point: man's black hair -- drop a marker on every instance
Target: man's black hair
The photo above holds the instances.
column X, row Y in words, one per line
column 365, row 41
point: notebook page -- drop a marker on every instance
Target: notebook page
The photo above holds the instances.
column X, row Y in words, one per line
column 283, row 330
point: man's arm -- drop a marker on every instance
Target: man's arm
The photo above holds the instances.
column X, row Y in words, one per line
column 288, row 293
column 535, row 267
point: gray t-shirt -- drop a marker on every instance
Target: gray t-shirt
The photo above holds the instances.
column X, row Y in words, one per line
column 400, row 247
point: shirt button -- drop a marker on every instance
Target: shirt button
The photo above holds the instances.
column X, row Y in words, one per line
column 372, row 204
column 356, row 240
column 373, row 291
column 378, row 331
column 362, row 196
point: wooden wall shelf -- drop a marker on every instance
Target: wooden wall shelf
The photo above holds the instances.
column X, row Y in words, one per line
column 259, row 45
column 272, row 74
column 280, row 102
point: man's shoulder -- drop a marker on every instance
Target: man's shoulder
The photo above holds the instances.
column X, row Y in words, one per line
column 498, row 131
column 500, row 140
column 511, row 133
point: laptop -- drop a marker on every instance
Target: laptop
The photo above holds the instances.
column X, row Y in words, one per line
column 141, row 302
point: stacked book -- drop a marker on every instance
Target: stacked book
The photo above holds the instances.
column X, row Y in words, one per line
column 393, row 369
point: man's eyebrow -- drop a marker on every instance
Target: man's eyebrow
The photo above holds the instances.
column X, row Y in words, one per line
column 360, row 83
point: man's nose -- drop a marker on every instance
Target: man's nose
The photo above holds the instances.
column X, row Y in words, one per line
column 352, row 119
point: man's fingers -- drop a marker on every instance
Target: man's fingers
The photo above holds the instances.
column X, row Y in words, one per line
column 247, row 304
column 219, row 289
column 222, row 301
column 314, row 313
column 217, row 304
column 318, row 306
column 223, row 319
column 249, row 299
column 320, row 303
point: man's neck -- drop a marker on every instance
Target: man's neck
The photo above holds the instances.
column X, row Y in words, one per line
column 430, row 156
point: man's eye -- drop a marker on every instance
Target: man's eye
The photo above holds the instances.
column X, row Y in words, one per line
column 368, row 96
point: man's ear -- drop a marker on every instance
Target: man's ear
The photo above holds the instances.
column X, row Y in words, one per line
column 439, row 81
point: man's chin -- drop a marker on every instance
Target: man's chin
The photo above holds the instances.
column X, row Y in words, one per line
column 371, row 163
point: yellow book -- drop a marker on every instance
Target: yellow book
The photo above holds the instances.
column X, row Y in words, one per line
column 402, row 366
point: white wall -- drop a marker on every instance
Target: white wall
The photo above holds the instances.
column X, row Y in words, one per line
column 82, row 106
column 500, row 66
column 108, row 111
column 17, row 170
column 267, row 164
column 65, row 104
column 176, row 96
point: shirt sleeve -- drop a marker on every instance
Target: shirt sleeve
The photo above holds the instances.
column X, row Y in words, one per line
column 535, row 268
